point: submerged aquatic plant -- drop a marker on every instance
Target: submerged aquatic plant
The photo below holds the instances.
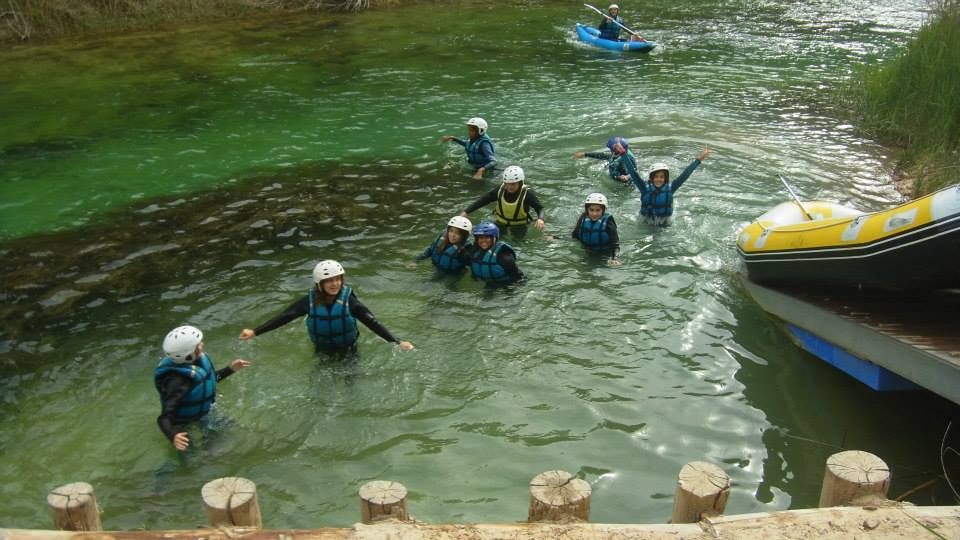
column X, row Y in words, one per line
column 56, row 281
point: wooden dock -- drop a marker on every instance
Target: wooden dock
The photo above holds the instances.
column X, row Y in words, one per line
column 879, row 523
column 915, row 336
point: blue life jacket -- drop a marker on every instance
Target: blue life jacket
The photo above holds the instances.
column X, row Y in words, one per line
column 332, row 327
column 657, row 203
column 609, row 30
column 593, row 234
column 448, row 259
column 616, row 166
column 202, row 394
column 475, row 151
column 484, row 264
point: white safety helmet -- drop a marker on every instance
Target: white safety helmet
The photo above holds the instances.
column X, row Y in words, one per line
column 613, row 6
column 479, row 123
column 513, row 174
column 460, row 223
column 181, row 343
column 596, row 198
column 326, row 270
column 658, row 167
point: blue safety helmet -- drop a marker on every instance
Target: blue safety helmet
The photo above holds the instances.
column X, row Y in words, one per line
column 613, row 141
column 486, row 228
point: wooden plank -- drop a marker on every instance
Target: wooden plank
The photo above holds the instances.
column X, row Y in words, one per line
column 838, row 523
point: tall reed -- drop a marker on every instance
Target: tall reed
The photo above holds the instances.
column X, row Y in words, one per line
column 914, row 101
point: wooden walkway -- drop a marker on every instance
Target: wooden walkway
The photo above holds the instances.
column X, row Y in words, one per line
column 916, row 336
column 879, row 523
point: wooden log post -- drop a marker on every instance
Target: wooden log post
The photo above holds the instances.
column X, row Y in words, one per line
column 74, row 508
column 383, row 499
column 702, row 488
column 558, row 496
column 854, row 474
column 231, row 501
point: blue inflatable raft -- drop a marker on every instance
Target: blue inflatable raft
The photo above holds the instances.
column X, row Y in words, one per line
column 591, row 35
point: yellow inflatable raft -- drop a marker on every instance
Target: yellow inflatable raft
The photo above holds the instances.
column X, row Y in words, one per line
column 912, row 246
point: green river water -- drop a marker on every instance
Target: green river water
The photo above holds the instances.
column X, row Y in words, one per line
column 196, row 175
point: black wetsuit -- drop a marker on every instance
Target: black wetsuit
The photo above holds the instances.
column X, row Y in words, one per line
column 300, row 308
column 614, row 246
column 173, row 387
column 531, row 202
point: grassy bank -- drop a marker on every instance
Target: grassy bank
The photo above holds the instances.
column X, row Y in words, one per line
column 42, row 20
column 913, row 102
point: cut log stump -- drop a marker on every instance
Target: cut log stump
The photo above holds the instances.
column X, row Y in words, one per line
column 74, row 508
column 558, row 496
column 232, row 501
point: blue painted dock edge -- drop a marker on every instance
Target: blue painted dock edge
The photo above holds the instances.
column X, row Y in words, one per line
column 867, row 372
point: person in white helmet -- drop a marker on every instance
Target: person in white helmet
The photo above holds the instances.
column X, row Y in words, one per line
column 597, row 230
column 447, row 250
column 480, row 151
column 187, row 382
column 517, row 204
column 609, row 29
column 656, row 190
column 332, row 311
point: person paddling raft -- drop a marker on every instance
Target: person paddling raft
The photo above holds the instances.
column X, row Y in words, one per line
column 480, row 152
column 332, row 311
column 187, row 383
column 611, row 24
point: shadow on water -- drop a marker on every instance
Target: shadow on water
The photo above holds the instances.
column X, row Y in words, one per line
column 58, row 282
column 815, row 410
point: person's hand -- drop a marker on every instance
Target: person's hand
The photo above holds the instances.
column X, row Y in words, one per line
column 247, row 333
column 479, row 174
column 446, row 138
column 462, row 214
column 181, row 441
column 405, row 346
column 538, row 224
column 623, row 178
column 239, row 364
column 614, row 262
column 705, row 154
column 578, row 155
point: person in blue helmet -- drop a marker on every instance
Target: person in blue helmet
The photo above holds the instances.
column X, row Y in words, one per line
column 187, row 382
column 597, row 230
column 332, row 311
column 656, row 190
column 491, row 260
column 446, row 251
column 480, row 151
column 620, row 160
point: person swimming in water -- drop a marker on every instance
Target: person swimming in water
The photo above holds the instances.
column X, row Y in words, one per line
column 332, row 311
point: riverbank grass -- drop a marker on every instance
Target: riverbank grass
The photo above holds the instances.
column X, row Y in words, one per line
column 913, row 102
column 41, row 20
